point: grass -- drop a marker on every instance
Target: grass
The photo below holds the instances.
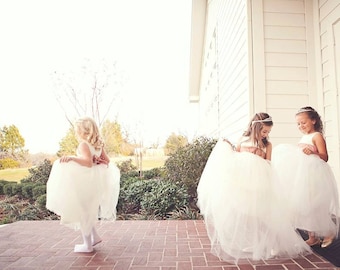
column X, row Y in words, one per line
column 147, row 163
column 14, row 175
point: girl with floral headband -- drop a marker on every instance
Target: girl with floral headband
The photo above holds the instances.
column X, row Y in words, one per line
column 84, row 187
column 237, row 199
column 307, row 181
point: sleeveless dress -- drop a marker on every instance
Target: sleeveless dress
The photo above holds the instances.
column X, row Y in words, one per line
column 238, row 201
column 308, row 186
column 81, row 195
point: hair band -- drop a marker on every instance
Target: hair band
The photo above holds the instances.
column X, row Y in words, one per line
column 305, row 110
column 268, row 119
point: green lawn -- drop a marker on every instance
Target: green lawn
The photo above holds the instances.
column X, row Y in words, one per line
column 13, row 174
column 147, row 164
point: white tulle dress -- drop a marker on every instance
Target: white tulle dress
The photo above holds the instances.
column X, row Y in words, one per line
column 309, row 187
column 81, row 195
column 243, row 217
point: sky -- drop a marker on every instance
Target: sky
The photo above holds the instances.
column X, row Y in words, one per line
column 147, row 40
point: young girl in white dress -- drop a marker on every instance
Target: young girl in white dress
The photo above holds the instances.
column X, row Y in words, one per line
column 307, row 181
column 238, row 200
column 83, row 188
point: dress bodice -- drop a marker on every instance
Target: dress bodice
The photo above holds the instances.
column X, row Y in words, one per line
column 247, row 146
column 307, row 141
column 93, row 151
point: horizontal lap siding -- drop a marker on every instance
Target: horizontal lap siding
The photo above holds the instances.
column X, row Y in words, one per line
column 208, row 104
column 224, row 91
column 329, row 12
column 233, row 68
column 286, row 65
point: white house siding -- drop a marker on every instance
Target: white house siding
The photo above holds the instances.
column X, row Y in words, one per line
column 329, row 24
column 233, row 68
column 286, row 65
column 208, row 89
column 274, row 56
column 224, row 88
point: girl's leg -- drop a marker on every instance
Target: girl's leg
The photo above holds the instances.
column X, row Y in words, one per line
column 86, row 246
column 95, row 238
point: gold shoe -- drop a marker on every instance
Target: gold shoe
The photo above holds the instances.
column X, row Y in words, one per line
column 314, row 243
column 327, row 242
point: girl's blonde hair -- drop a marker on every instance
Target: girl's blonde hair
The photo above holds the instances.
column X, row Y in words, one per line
column 87, row 130
column 255, row 126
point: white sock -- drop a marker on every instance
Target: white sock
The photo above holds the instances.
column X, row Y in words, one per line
column 95, row 238
column 86, row 246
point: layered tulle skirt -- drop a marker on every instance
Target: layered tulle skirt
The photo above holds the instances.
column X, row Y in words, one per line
column 243, row 216
column 309, row 188
column 82, row 195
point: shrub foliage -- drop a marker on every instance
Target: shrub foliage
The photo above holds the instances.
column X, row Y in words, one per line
column 186, row 165
column 160, row 193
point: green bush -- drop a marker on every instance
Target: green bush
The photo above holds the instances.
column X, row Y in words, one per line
column 163, row 198
column 38, row 190
column 126, row 166
column 8, row 189
column 186, row 165
column 27, row 190
column 41, row 201
column 153, row 173
column 29, row 213
column 8, row 163
column 129, row 175
column 131, row 194
column 149, row 198
column 17, row 190
column 2, row 184
column 39, row 174
column 5, row 182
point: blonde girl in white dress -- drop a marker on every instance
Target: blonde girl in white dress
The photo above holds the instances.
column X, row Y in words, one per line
column 239, row 202
column 307, row 182
column 84, row 187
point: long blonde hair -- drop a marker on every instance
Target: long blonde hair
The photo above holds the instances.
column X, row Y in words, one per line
column 87, row 130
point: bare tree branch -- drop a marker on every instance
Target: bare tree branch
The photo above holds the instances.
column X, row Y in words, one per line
column 94, row 88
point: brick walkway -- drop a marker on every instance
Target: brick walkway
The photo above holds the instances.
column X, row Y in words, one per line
column 135, row 245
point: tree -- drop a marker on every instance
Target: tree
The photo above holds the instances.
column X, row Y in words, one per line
column 174, row 142
column 90, row 92
column 68, row 144
column 112, row 135
column 11, row 141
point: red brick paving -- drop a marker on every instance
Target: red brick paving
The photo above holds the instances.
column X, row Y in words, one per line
column 133, row 245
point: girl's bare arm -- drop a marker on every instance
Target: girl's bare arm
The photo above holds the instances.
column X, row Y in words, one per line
column 84, row 157
column 321, row 147
column 269, row 151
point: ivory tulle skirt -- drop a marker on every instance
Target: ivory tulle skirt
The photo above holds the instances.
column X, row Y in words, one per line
column 81, row 195
column 309, row 188
column 243, row 216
